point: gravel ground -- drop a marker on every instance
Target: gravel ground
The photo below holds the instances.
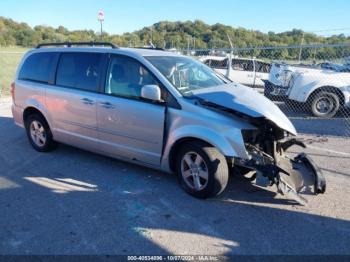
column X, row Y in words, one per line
column 75, row 202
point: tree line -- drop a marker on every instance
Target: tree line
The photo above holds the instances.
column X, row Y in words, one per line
column 179, row 35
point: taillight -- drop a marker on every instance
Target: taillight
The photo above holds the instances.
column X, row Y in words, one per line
column 12, row 90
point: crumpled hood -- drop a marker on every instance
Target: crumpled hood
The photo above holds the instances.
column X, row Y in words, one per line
column 245, row 100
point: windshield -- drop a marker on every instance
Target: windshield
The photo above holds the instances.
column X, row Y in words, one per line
column 186, row 74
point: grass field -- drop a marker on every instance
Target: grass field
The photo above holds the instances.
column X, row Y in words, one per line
column 9, row 59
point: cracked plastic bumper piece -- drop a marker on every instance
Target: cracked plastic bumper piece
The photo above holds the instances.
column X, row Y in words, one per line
column 294, row 177
column 320, row 181
column 301, row 176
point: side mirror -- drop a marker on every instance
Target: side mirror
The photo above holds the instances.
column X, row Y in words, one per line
column 151, row 92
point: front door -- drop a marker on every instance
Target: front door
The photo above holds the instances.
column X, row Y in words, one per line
column 128, row 126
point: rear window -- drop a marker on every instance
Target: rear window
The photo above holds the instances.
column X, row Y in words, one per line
column 39, row 67
column 79, row 71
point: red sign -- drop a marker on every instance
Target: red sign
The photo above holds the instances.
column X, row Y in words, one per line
column 101, row 16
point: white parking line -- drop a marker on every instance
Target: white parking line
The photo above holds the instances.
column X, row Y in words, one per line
column 329, row 150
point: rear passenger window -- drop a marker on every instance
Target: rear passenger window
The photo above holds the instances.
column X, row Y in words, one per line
column 242, row 65
column 79, row 71
column 39, row 67
column 262, row 67
column 217, row 64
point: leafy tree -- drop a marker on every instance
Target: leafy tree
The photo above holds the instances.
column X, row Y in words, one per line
column 183, row 35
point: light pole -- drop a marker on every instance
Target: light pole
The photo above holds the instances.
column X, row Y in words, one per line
column 101, row 18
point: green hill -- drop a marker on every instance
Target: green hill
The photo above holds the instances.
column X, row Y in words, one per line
column 163, row 34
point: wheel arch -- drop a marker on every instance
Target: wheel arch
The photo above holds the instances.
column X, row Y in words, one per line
column 181, row 141
column 49, row 144
column 177, row 145
column 33, row 110
column 228, row 141
column 332, row 89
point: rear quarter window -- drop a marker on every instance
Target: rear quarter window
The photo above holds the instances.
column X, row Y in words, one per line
column 39, row 67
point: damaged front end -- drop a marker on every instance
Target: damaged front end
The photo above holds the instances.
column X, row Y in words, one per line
column 267, row 147
column 267, row 142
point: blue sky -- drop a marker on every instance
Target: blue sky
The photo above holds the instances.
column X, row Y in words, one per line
column 128, row 15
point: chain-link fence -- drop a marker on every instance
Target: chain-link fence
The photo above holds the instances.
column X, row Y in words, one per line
column 310, row 83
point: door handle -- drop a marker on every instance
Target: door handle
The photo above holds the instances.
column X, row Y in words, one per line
column 107, row 105
column 87, row 101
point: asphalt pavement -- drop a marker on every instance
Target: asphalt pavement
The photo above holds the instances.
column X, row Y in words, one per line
column 71, row 201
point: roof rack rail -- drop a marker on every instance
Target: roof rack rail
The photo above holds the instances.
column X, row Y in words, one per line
column 70, row 44
column 151, row 48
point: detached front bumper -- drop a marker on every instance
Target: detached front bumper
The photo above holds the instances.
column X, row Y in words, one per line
column 294, row 177
column 319, row 179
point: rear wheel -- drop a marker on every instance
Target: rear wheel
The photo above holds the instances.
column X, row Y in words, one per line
column 39, row 133
column 202, row 170
column 325, row 104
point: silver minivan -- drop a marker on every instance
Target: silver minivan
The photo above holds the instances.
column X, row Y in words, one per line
column 161, row 110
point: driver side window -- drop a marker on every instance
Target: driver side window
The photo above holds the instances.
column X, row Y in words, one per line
column 126, row 77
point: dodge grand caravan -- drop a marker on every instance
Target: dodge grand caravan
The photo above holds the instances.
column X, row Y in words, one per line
column 161, row 110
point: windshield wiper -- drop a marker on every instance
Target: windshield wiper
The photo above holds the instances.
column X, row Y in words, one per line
column 223, row 77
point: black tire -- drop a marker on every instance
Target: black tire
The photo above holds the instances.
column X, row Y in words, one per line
column 267, row 92
column 328, row 97
column 215, row 163
column 49, row 143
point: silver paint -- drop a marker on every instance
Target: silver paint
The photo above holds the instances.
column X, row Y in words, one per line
column 138, row 131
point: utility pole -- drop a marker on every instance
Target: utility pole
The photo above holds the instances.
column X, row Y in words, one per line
column 188, row 45
column 101, row 18
column 164, row 42
column 229, row 62
column 301, row 46
column 151, row 41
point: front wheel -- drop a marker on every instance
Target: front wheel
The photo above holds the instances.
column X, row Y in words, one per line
column 325, row 104
column 202, row 170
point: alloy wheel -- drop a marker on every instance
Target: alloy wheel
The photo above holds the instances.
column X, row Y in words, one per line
column 38, row 133
column 194, row 171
